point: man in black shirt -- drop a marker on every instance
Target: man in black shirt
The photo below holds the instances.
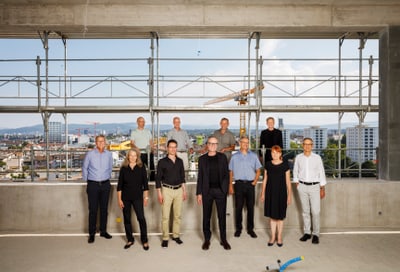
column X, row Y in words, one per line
column 171, row 190
column 270, row 137
column 213, row 185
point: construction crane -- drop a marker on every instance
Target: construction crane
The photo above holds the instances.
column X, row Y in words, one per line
column 242, row 98
column 94, row 125
column 79, row 131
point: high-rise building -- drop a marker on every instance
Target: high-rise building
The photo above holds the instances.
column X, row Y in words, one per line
column 286, row 139
column 55, row 132
column 285, row 135
column 361, row 143
column 280, row 123
column 319, row 137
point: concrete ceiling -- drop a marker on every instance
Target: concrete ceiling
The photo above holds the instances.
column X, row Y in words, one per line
column 197, row 18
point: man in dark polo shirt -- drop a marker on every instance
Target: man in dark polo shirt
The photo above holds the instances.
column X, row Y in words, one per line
column 171, row 190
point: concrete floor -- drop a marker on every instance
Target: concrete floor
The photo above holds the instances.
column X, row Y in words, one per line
column 336, row 252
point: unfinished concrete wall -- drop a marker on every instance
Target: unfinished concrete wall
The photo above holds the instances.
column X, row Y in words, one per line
column 62, row 208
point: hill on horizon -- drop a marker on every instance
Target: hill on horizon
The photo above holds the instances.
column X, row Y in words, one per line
column 125, row 127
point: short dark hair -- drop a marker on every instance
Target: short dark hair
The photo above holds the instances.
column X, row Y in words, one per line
column 99, row 136
column 172, row 141
column 224, row 119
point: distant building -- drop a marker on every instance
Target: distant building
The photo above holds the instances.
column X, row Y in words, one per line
column 285, row 134
column 280, row 123
column 55, row 132
column 362, row 148
column 286, row 138
column 83, row 139
column 319, row 136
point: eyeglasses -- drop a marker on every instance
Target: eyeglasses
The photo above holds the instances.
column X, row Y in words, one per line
column 307, row 144
column 212, row 143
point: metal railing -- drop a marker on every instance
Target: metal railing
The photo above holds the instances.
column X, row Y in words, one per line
column 29, row 165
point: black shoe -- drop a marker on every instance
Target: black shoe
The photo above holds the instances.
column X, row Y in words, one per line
column 106, row 235
column 226, row 245
column 91, row 239
column 237, row 233
column 178, row 240
column 146, row 246
column 206, row 245
column 252, row 234
column 164, row 244
column 280, row 244
column 129, row 244
column 305, row 237
column 315, row 239
column 271, row 243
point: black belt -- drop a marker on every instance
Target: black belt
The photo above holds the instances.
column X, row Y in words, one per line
column 243, row 181
column 173, row 187
column 99, row 182
column 308, row 183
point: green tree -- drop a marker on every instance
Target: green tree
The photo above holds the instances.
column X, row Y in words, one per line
column 369, row 169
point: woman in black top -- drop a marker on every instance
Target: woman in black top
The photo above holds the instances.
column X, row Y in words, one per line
column 133, row 191
column 276, row 193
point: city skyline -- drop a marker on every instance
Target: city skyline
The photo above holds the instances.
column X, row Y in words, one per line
column 131, row 125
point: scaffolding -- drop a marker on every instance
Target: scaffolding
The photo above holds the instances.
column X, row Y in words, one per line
column 157, row 93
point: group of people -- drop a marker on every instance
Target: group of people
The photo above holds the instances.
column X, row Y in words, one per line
column 220, row 173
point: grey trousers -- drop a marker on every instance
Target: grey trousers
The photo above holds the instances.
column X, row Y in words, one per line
column 311, row 206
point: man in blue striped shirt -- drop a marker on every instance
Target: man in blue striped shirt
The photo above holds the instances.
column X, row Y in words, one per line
column 96, row 170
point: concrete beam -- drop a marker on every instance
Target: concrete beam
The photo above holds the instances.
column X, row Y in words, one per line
column 124, row 19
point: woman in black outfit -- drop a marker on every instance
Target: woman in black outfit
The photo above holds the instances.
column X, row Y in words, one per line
column 276, row 193
column 133, row 191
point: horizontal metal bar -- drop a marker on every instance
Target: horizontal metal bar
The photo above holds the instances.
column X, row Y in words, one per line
column 125, row 109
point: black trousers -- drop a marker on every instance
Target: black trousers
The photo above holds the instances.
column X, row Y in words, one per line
column 215, row 194
column 98, row 195
column 144, row 158
column 138, row 207
column 244, row 193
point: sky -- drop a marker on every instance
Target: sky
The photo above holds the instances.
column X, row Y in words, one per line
column 278, row 58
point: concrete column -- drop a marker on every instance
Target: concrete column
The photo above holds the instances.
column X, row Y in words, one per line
column 389, row 104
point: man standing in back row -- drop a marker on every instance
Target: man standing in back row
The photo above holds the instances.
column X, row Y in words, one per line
column 183, row 142
column 270, row 137
column 142, row 139
column 226, row 139
column 309, row 174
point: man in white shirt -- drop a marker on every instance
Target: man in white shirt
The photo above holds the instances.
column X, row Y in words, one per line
column 142, row 139
column 309, row 174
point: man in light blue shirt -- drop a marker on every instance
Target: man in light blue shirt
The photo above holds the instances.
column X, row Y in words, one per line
column 244, row 168
column 96, row 170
